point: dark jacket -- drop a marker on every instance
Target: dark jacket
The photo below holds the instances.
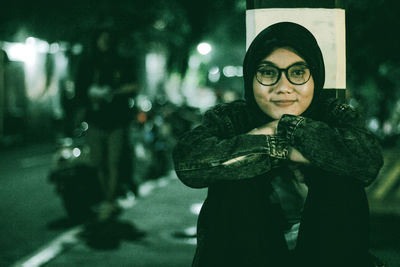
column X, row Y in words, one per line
column 239, row 225
column 252, row 202
column 105, row 69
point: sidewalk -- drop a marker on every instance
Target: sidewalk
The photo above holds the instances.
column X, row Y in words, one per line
column 155, row 231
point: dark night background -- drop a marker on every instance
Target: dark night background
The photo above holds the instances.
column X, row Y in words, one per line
column 161, row 38
column 177, row 26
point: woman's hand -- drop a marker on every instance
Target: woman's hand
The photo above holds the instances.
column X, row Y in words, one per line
column 271, row 129
column 267, row 129
column 295, row 156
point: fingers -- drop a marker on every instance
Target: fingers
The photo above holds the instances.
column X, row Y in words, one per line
column 263, row 130
column 296, row 156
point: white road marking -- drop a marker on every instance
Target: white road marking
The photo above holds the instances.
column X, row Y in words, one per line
column 70, row 237
column 51, row 250
column 195, row 208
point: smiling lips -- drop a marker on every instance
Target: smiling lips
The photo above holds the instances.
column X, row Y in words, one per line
column 283, row 103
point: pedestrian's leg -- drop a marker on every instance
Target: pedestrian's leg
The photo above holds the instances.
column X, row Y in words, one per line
column 97, row 147
column 116, row 143
column 126, row 169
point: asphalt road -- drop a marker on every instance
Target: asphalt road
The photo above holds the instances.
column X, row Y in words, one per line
column 28, row 202
column 30, row 208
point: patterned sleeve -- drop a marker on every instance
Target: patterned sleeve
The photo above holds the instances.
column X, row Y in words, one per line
column 216, row 151
column 339, row 143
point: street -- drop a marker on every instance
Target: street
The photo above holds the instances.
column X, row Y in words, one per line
column 29, row 203
column 33, row 219
column 157, row 231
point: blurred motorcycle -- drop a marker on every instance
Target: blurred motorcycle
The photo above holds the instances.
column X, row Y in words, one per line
column 75, row 179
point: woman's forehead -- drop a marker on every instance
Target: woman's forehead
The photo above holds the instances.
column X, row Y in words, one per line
column 283, row 57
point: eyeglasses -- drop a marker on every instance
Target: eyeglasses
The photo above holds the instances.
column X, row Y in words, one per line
column 297, row 74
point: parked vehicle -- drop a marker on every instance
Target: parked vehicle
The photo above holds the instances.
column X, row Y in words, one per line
column 75, row 180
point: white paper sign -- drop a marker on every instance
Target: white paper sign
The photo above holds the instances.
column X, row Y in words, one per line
column 327, row 25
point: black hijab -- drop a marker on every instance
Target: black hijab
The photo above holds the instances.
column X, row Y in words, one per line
column 283, row 34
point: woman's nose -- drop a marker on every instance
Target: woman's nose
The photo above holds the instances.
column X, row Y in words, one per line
column 283, row 85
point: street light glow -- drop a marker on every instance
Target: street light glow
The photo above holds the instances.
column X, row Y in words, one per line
column 204, row 48
column 214, row 74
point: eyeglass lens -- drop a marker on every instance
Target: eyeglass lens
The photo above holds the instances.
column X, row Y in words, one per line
column 296, row 74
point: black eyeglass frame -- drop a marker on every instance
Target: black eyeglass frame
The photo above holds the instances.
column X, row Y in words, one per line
column 285, row 70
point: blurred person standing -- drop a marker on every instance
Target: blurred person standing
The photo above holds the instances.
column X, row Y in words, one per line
column 104, row 84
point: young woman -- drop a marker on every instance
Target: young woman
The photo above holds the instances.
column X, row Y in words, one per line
column 285, row 168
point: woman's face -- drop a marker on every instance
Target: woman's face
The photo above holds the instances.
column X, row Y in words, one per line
column 283, row 97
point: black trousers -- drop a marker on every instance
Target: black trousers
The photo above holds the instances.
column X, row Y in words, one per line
column 238, row 226
column 334, row 228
